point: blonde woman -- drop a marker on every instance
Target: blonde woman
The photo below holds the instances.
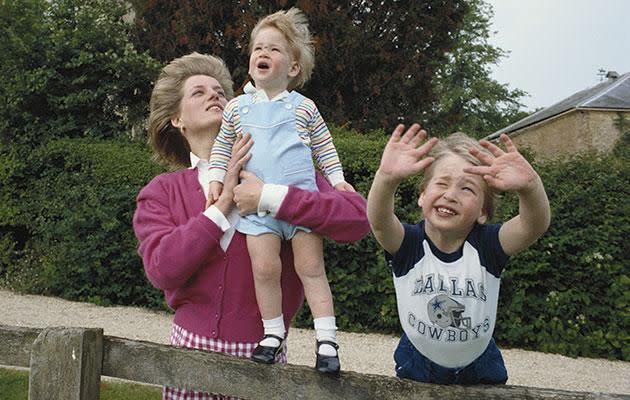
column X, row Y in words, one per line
column 190, row 250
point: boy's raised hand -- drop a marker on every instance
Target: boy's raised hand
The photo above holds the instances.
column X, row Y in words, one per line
column 405, row 154
column 504, row 170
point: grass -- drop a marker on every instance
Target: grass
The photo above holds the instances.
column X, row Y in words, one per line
column 14, row 386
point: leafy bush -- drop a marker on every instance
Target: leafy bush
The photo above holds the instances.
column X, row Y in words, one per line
column 81, row 243
column 569, row 293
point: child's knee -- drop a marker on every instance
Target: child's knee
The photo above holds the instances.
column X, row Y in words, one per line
column 310, row 268
column 267, row 268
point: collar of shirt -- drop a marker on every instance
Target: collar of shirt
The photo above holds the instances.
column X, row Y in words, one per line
column 203, row 172
column 260, row 96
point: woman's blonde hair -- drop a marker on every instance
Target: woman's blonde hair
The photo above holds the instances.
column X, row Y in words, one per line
column 459, row 143
column 293, row 25
column 168, row 144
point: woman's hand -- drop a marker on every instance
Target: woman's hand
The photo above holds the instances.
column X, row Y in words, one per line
column 247, row 193
column 240, row 155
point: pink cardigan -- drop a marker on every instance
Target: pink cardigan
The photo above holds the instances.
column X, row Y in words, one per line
column 212, row 291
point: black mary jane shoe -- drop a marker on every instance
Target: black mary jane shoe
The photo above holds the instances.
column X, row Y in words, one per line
column 328, row 365
column 267, row 354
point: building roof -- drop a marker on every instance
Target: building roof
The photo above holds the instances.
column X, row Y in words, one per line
column 612, row 94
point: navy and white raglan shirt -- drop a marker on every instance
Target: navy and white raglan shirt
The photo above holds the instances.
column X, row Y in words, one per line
column 447, row 303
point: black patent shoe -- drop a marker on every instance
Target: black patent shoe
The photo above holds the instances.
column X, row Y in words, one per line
column 327, row 364
column 267, row 354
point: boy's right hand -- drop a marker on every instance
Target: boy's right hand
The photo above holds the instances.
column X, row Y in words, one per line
column 405, row 154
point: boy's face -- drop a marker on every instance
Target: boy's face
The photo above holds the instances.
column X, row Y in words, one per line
column 271, row 65
column 452, row 200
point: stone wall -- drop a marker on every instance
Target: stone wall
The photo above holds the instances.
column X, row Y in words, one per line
column 570, row 133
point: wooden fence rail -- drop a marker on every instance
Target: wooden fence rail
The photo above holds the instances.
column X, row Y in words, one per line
column 67, row 363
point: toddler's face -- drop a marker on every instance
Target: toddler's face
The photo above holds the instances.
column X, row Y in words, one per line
column 270, row 64
column 452, row 200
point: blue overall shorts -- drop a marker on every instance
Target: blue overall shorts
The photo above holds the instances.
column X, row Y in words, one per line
column 278, row 156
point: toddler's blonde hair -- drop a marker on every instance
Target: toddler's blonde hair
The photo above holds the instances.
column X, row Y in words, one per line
column 293, row 25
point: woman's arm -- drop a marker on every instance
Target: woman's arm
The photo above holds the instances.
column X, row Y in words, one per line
column 338, row 215
column 172, row 245
column 335, row 214
column 176, row 239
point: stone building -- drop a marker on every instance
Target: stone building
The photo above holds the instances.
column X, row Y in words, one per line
column 592, row 119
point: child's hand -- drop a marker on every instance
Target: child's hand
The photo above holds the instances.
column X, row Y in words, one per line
column 405, row 155
column 504, row 170
column 344, row 187
column 213, row 194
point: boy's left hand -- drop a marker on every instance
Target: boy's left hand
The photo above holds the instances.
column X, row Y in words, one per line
column 504, row 170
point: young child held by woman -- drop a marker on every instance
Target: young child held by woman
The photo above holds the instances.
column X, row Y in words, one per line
column 288, row 133
column 447, row 267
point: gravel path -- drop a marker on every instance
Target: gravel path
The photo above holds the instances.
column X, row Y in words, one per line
column 358, row 352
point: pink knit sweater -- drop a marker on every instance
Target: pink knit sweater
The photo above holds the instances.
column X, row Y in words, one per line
column 212, row 291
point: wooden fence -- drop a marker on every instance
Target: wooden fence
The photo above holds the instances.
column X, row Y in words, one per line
column 67, row 364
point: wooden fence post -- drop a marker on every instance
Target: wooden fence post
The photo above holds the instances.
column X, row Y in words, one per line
column 66, row 364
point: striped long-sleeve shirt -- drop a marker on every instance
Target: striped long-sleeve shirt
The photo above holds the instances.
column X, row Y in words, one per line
column 310, row 127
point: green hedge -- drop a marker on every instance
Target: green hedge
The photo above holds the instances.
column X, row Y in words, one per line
column 77, row 241
column 569, row 293
column 71, row 236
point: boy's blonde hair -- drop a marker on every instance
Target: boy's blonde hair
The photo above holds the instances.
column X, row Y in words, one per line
column 169, row 145
column 459, row 143
column 293, row 25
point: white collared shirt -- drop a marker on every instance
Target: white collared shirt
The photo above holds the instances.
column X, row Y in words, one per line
column 260, row 96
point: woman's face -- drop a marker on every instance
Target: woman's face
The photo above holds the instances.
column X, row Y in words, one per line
column 201, row 107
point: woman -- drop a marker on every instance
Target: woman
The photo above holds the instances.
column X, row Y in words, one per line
column 191, row 251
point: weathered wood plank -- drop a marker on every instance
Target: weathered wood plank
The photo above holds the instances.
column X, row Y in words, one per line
column 160, row 364
column 218, row 373
column 15, row 345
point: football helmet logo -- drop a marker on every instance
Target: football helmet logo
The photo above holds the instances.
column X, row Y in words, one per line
column 444, row 312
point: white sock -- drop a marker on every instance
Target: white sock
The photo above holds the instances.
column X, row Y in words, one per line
column 326, row 329
column 273, row 326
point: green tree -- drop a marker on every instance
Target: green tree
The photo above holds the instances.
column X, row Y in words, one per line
column 468, row 99
column 375, row 59
column 69, row 70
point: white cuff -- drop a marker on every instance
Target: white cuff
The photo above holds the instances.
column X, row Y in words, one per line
column 216, row 174
column 336, row 177
column 216, row 216
column 271, row 198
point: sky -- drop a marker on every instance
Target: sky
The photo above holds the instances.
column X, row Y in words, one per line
column 557, row 47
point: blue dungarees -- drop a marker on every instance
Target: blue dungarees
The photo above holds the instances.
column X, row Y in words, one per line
column 278, row 156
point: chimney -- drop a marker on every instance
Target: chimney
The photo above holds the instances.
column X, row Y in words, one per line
column 612, row 75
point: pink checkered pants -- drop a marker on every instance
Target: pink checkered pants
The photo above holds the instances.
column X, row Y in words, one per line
column 180, row 337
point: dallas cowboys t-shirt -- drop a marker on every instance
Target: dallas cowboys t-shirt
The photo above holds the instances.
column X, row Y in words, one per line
column 447, row 303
